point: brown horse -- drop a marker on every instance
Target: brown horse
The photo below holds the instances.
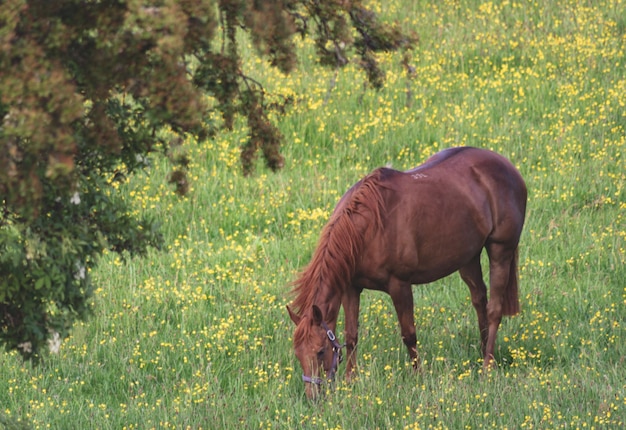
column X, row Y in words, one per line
column 393, row 229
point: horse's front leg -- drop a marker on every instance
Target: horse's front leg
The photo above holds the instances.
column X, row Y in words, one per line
column 402, row 298
column 351, row 302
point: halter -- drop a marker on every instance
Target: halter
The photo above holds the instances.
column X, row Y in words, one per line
column 337, row 358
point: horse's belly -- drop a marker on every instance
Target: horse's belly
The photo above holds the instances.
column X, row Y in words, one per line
column 413, row 258
column 441, row 257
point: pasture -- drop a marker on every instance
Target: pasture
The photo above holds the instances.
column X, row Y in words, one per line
column 197, row 335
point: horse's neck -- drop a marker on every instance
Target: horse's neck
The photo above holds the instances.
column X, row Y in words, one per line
column 330, row 308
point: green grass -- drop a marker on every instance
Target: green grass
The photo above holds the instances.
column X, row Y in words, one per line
column 197, row 336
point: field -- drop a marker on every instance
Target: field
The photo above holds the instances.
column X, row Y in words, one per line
column 197, row 335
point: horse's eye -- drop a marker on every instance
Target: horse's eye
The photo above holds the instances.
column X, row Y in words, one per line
column 320, row 354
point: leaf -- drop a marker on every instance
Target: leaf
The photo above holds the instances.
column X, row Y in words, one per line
column 40, row 283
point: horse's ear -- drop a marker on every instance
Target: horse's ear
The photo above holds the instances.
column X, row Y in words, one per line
column 317, row 315
column 295, row 318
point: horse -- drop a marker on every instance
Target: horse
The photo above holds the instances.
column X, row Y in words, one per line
column 394, row 229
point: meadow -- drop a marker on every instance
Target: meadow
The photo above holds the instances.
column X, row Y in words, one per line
column 196, row 336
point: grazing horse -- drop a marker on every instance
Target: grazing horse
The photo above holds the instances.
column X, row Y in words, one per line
column 393, row 229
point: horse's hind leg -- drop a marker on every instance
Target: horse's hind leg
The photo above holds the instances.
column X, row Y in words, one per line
column 472, row 274
column 500, row 263
column 402, row 297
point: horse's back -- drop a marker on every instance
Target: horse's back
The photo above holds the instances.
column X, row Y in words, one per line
column 440, row 157
column 468, row 167
column 456, row 160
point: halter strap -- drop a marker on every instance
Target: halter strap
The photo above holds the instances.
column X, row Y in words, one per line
column 337, row 358
column 313, row 380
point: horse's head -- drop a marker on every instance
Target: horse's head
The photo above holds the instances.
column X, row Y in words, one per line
column 317, row 349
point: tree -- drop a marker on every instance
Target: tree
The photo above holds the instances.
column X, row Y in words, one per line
column 86, row 88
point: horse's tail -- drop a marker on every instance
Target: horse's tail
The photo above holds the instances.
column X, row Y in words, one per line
column 510, row 304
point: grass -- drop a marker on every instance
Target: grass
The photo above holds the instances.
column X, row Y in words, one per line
column 197, row 336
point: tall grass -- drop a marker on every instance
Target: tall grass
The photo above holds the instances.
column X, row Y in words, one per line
column 197, row 336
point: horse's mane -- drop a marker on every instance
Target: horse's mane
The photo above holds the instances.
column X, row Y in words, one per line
column 334, row 261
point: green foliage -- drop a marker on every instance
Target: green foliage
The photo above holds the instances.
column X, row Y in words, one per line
column 88, row 91
column 45, row 261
